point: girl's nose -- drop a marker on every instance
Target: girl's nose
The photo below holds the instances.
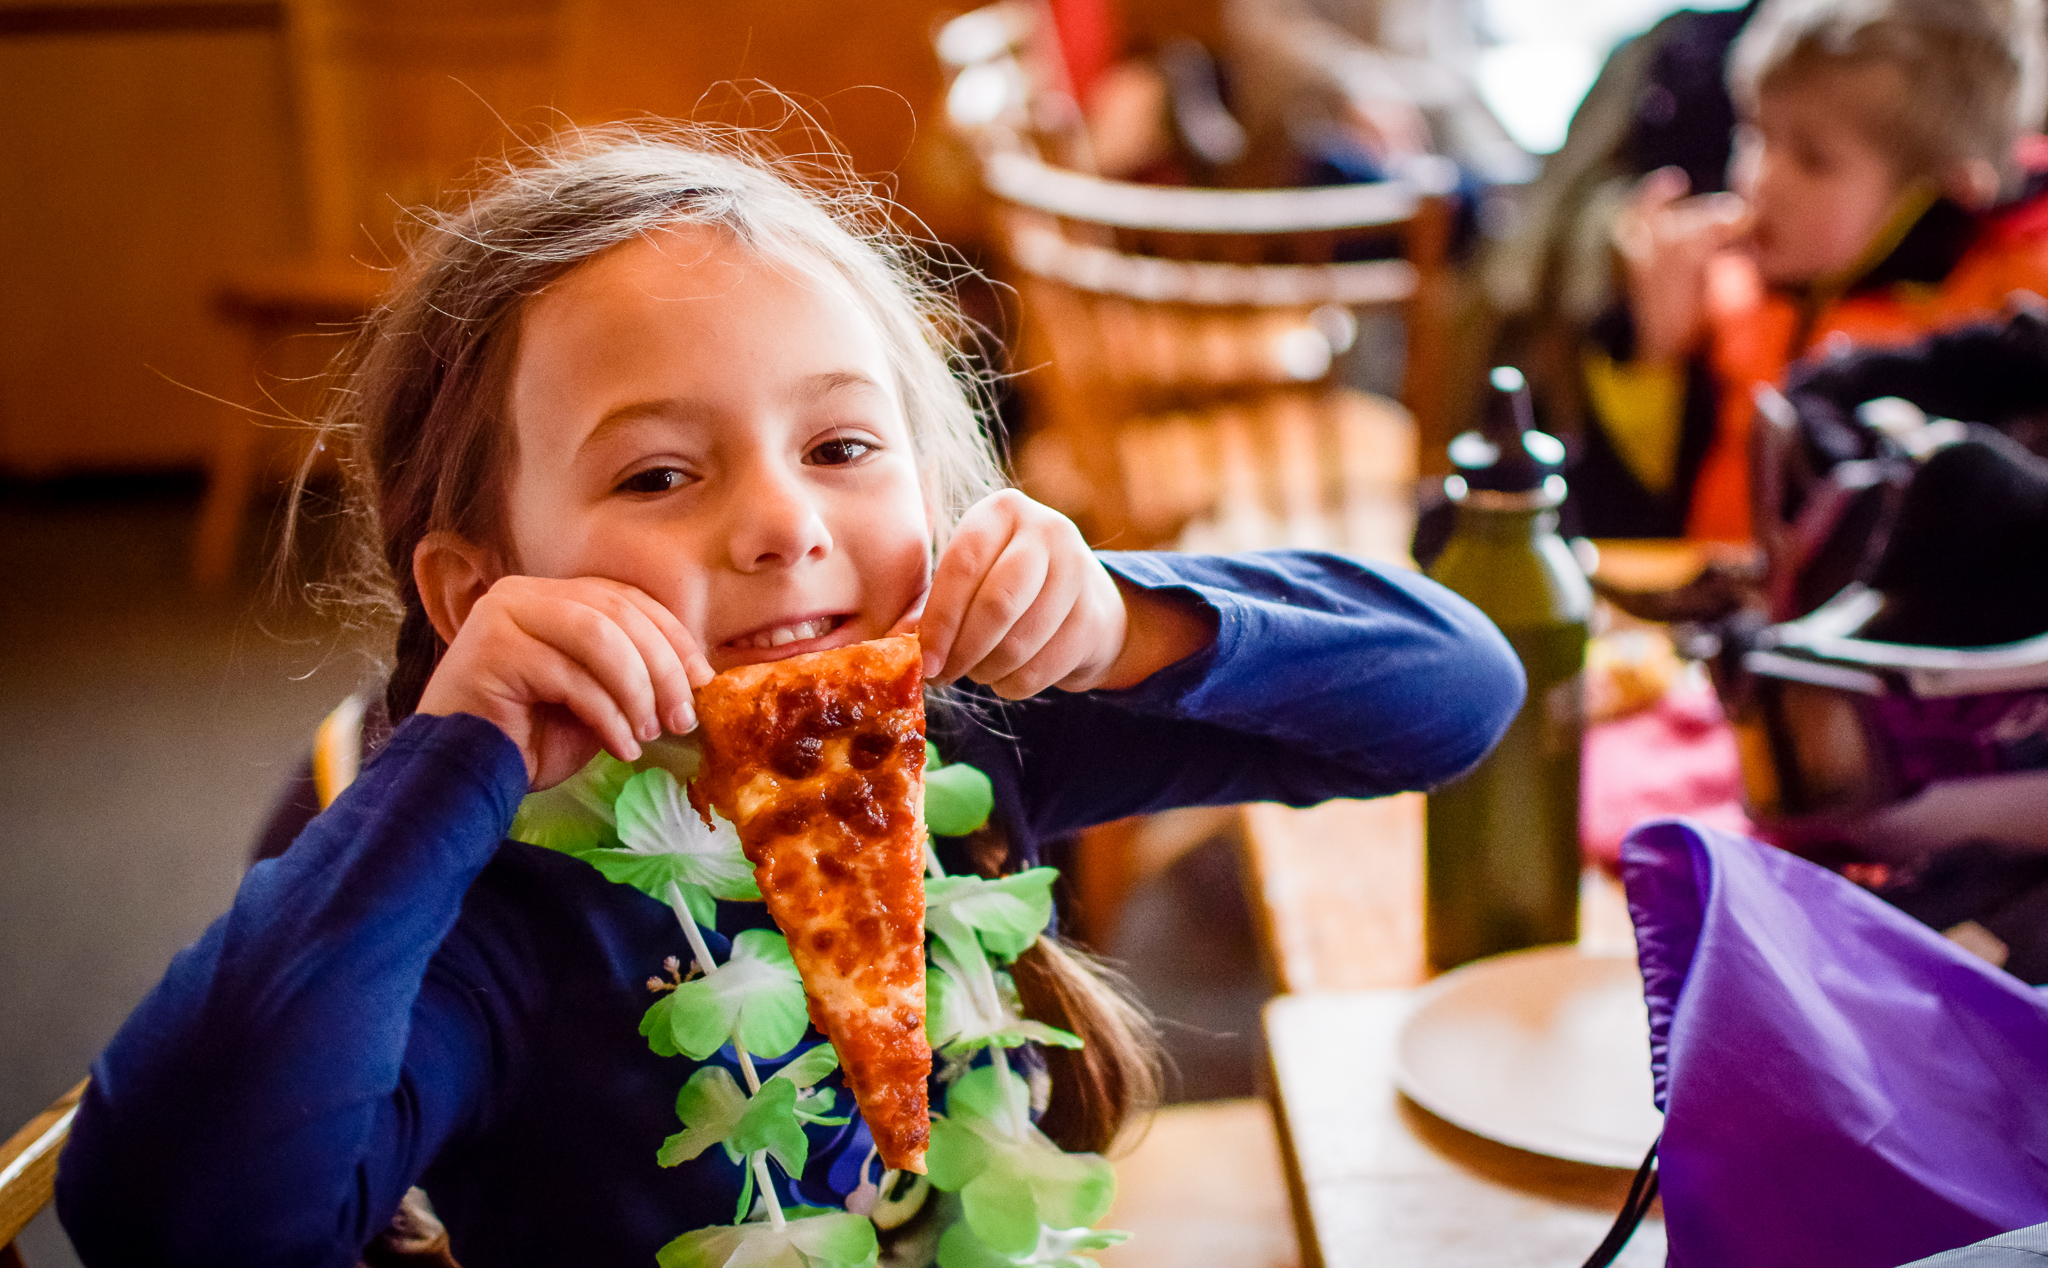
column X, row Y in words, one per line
column 774, row 521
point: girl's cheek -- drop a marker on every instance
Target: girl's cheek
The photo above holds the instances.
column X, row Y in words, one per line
column 906, row 576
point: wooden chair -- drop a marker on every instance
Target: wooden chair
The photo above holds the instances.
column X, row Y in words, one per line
column 28, row 1170
column 1179, row 344
column 292, row 318
column 1178, row 347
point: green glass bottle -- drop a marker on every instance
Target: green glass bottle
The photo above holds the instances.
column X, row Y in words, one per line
column 1502, row 869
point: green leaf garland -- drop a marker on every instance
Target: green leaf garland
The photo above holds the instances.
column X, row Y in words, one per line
column 1057, row 1248
column 957, row 800
column 1025, row 1203
column 655, row 818
column 1004, row 916
column 755, row 997
column 956, row 1023
column 711, row 1105
column 816, row 1239
column 1011, row 1182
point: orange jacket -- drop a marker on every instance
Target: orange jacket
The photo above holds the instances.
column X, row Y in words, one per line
column 1755, row 334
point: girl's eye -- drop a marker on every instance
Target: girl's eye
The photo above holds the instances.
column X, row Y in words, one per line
column 837, row 453
column 652, row 480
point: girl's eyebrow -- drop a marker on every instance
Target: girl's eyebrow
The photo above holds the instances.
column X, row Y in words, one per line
column 658, row 410
column 809, row 389
column 818, row 386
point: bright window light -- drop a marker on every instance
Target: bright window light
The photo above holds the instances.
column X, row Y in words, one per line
column 1542, row 56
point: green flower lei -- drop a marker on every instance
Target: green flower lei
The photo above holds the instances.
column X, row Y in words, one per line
column 1024, row 1202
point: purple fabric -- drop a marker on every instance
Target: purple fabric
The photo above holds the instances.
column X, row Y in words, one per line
column 1841, row 1084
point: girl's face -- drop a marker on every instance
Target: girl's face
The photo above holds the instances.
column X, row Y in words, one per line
column 723, row 433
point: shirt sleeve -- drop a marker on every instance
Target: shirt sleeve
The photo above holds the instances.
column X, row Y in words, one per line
column 271, row 1100
column 1327, row 678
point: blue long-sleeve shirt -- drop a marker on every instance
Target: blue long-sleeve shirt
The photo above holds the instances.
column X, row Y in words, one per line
column 405, row 997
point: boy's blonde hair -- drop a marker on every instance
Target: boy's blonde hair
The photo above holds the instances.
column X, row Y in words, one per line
column 1974, row 72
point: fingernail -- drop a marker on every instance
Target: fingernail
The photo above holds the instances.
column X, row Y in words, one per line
column 932, row 664
column 685, row 720
column 650, row 730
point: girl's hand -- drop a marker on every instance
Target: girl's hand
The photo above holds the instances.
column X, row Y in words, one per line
column 568, row 667
column 1665, row 240
column 1019, row 603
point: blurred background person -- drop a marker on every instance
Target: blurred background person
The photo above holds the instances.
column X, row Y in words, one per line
column 1880, row 194
column 1349, row 89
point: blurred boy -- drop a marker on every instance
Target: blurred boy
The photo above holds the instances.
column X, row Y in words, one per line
column 1879, row 195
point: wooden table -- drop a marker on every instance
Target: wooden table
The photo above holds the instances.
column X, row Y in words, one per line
column 1377, row 1181
column 1374, row 1179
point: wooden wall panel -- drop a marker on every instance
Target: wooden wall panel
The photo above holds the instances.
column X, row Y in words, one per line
column 134, row 167
column 864, row 70
column 398, row 100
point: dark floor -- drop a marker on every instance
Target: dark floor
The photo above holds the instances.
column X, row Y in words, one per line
column 147, row 730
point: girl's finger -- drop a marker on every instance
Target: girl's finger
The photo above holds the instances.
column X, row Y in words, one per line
column 555, row 677
column 1006, row 594
column 1662, row 187
column 696, row 666
column 975, row 547
column 590, row 637
column 1063, row 657
column 674, row 663
column 1082, row 650
column 1054, row 608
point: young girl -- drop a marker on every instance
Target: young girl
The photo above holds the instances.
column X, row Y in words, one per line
column 642, row 411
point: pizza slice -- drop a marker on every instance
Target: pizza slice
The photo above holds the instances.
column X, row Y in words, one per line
column 818, row 761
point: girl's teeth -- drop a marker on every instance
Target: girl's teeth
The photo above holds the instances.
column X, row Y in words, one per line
column 791, row 634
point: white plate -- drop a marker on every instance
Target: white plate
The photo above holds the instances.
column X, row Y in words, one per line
column 1546, row 1050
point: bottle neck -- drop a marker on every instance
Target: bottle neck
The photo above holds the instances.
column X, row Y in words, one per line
column 1494, row 524
column 1497, row 515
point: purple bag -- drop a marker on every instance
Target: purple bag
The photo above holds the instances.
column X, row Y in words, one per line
column 1842, row 1086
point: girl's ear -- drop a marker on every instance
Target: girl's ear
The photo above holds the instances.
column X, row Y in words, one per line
column 452, row 573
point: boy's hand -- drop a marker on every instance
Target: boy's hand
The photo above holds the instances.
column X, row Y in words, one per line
column 1019, row 603
column 1665, row 240
column 566, row 667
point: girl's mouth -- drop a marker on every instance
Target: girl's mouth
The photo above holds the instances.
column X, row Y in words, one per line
column 783, row 635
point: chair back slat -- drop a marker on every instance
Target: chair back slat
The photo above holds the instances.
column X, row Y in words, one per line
column 28, row 1164
column 1022, row 180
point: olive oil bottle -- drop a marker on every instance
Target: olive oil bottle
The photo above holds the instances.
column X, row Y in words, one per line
column 1502, row 869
